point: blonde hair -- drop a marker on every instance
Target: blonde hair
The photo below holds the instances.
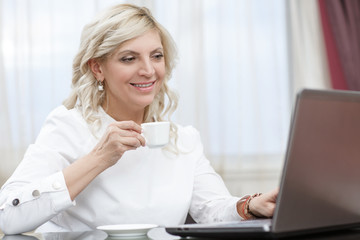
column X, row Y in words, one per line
column 100, row 39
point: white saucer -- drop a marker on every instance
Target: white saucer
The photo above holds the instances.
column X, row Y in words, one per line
column 127, row 230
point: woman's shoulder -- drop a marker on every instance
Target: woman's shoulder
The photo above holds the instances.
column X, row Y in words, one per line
column 187, row 131
column 61, row 112
column 62, row 122
column 61, row 116
column 188, row 137
column 64, row 133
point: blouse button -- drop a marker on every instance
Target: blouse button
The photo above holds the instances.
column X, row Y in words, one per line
column 56, row 185
column 16, row 202
column 36, row 193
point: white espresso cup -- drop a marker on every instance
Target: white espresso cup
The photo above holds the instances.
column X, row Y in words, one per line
column 156, row 133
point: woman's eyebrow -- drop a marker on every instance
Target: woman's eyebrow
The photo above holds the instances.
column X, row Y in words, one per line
column 157, row 49
column 128, row 51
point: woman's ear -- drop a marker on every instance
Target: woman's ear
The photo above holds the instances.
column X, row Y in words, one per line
column 96, row 69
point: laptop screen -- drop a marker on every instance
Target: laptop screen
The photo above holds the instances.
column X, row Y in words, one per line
column 320, row 185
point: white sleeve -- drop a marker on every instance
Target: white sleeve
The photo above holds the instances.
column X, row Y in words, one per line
column 211, row 200
column 33, row 204
column 37, row 191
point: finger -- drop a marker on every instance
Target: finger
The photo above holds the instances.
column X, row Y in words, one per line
column 270, row 210
column 129, row 125
column 127, row 133
column 141, row 139
column 136, row 135
column 274, row 193
column 115, row 135
column 131, row 142
column 116, row 130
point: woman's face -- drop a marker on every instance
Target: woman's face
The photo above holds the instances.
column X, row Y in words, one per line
column 134, row 73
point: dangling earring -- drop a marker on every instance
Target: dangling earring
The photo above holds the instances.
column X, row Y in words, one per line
column 100, row 86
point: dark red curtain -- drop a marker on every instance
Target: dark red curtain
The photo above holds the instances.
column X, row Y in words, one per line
column 341, row 27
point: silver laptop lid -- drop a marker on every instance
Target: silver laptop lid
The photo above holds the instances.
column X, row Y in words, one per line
column 320, row 185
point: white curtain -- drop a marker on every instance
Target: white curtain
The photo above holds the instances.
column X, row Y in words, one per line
column 233, row 81
column 233, row 75
column 308, row 56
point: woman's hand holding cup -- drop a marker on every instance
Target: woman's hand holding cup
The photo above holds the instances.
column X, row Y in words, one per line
column 118, row 138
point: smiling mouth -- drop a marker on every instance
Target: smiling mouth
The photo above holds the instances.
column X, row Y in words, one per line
column 143, row 85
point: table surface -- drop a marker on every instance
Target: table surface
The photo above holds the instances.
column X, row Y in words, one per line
column 156, row 233
column 161, row 234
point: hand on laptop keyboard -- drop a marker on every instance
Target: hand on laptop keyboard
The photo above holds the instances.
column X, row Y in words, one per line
column 258, row 205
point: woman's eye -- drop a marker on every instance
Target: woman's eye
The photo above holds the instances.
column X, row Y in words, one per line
column 158, row 56
column 127, row 59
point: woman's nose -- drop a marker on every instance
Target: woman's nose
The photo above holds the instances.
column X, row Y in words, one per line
column 147, row 69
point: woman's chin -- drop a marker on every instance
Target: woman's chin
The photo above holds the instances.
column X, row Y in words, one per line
column 145, row 102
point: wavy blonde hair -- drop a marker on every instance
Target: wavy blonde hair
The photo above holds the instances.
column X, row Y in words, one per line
column 99, row 39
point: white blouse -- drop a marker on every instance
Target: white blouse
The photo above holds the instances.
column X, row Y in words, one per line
column 144, row 186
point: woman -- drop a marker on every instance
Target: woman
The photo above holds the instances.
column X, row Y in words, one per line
column 80, row 172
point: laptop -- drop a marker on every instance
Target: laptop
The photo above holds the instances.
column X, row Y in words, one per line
column 320, row 183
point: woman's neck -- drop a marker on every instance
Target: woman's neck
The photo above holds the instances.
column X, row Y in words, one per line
column 124, row 113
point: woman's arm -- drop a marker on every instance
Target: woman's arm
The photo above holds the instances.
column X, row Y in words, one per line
column 26, row 205
column 35, row 194
column 211, row 200
column 119, row 138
